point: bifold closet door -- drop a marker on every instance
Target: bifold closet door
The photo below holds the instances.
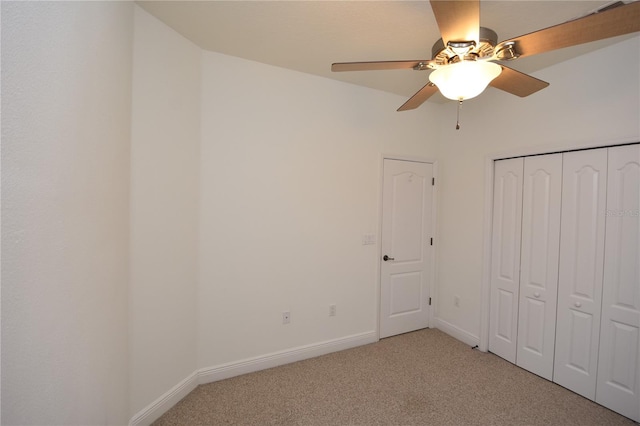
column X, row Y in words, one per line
column 539, row 263
column 505, row 257
column 581, row 268
column 618, row 384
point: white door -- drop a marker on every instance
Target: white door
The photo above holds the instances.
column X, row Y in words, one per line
column 505, row 257
column 581, row 268
column 406, row 246
column 539, row 263
column 618, row 384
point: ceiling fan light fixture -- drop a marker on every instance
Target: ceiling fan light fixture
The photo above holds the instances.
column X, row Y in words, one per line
column 464, row 80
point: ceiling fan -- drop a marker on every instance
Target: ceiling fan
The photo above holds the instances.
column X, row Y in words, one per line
column 464, row 59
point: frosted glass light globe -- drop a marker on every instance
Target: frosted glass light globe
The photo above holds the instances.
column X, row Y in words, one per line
column 464, row 80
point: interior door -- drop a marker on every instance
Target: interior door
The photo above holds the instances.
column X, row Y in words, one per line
column 539, row 263
column 406, row 246
column 505, row 257
column 618, row 383
column 581, row 267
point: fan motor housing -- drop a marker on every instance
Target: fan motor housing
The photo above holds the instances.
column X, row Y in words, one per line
column 443, row 55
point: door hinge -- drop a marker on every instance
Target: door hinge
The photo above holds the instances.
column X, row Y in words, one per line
column 433, row 181
column 432, row 241
column 429, row 301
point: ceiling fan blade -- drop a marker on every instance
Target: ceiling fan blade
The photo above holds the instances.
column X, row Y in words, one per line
column 517, row 83
column 617, row 21
column 420, row 97
column 458, row 20
column 378, row 65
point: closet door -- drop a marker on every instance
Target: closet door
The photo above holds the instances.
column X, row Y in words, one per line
column 539, row 263
column 618, row 384
column 505, row 257
column 581, row 268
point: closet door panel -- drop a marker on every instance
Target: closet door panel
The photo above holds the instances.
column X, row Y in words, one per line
column 580, row 270
column 539, row 263
column 618, row 384
column 505, row 257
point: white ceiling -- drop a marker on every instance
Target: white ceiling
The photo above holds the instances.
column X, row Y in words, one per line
column 308, row 36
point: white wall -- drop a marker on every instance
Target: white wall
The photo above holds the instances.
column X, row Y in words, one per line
column 164, row 209
column 290, row 169
column 592, row 99
column 91, row 338
column 247, row 188
column 66, row 85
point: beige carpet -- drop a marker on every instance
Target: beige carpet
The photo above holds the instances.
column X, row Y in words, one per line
column 419, row 378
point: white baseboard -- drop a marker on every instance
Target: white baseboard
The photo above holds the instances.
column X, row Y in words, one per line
column 456, row 332
column 161, row 405
column 249, row 365
column 157, row 408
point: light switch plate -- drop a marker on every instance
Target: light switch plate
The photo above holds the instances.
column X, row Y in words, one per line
column 368, row 239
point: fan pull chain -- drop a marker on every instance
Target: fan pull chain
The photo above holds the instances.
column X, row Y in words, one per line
column 458, row 117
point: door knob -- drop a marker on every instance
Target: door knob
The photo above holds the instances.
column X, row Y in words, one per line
column 578, row 304
column 536, row 294
column 385, row 258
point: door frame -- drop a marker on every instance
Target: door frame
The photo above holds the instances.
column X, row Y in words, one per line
column 432, row 260
column 485, row 284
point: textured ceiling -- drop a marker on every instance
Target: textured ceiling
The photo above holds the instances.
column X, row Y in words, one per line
column 308, row 36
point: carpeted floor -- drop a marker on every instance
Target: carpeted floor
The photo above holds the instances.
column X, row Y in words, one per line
column 420, row 378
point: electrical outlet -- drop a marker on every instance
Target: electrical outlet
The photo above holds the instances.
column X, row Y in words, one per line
column 332, row 310
column 456, row 301
column 286, row 317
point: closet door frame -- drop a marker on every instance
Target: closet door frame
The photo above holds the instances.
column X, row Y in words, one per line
column 485, row 289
